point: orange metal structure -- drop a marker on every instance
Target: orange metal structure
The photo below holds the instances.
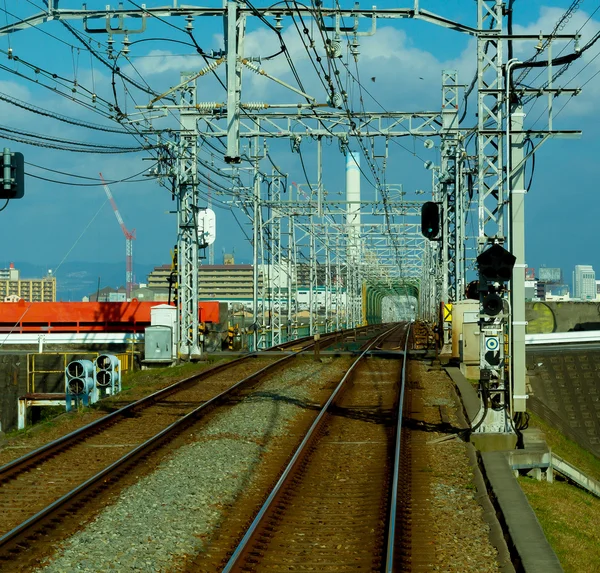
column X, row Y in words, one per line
column 81, row 317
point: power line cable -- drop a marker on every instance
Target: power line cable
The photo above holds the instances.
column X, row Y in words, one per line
column 53, row 115
column 130, row 178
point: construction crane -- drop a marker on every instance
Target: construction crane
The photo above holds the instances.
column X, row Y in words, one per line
column 129, row 238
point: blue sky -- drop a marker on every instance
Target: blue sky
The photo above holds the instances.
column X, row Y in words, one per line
column 56, row 222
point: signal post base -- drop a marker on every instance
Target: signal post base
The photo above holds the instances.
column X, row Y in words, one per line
column 494, row 441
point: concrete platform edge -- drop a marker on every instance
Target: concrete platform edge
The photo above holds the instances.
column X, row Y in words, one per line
column 513, row 519
column 526, row 538
column 496, row 533
column 468, row 394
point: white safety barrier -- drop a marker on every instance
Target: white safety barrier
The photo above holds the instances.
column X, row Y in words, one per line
column 563, row 337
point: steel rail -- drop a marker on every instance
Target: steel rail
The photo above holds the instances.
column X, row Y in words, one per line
column 137, row 452
column 312, row 432
column 391, row 534
column 23, row 462
column 113, row 416
column 172, row 430
column 327, row 338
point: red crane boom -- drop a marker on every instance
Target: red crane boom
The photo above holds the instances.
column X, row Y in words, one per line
column 129, row 238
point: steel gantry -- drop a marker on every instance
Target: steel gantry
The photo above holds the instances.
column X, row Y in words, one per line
column 322, row 231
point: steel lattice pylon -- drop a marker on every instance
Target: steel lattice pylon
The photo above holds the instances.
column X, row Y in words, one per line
column 187, row 221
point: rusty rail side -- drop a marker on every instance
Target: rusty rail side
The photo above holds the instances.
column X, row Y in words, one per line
column 11, row 538
column 244, row 548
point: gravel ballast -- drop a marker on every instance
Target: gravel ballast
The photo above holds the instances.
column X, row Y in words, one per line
column 173, row 511
column 456, row 526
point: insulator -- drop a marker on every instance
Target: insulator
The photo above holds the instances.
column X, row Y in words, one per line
column 255, row 105
column 208, row 105
column 126, row 44
column 213, row 65
column 252, row 66
column 336, row 100
column 334, row 49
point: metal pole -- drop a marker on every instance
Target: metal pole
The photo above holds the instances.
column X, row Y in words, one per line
column 256, row 210
column 233, row 36
column 516, row 193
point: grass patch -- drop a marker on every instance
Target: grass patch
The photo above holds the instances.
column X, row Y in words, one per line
column 568, row 515
column 565, row 448
column 569, row 518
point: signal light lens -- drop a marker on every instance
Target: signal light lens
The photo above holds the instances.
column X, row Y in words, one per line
column 430, row 220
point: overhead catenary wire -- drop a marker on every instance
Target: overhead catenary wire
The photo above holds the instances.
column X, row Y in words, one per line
column 59, row 117
column 98, row 182
column 73, row 145
column 379, row 176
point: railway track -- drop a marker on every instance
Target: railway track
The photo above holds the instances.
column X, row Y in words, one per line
column 334, row 506
column 37, row 487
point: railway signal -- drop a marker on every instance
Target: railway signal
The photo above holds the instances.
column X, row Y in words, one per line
column 13, row 175
column 430, row 220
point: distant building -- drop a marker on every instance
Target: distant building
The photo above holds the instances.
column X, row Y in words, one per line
column 303, row 274
column 558, row 298
column 556, row 290
column 530, row 290
column 584, row 282
column 550, row 284
column 549, row 275
column 108, row 294
column 13, row 288
column 529, row 274
column 540, row 290
column 215, row 282
column 9, row 274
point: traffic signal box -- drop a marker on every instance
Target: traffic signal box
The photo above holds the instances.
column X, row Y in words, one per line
column 430, row 220
column 495, row 270
column 12, row 175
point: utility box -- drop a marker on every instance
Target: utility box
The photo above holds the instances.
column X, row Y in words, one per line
column 459, row 309
column 163, row 315
column 166, row 315
column 470, row 338
column 158, row 343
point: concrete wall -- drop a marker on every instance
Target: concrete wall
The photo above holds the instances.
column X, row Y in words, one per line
column 546, row 317
column 13, row 376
